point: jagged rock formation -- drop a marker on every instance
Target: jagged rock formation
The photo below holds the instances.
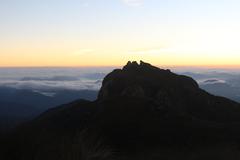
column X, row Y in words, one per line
column 146, row 81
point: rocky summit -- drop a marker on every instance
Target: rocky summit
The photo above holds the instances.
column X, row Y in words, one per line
column 148, row 82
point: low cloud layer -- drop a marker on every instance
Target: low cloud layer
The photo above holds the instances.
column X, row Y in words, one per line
column 211, row 81
column 91, row 81
column 53, row 79
column 50, row 85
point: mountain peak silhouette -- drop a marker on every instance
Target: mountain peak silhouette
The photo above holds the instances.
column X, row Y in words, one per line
column 145, row 81
column 142, row 106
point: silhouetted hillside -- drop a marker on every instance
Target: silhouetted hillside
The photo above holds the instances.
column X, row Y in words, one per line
column 18, row 105
column 142, row 112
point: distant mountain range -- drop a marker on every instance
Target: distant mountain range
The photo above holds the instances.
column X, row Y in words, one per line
column 19, row 105
column 143, row 113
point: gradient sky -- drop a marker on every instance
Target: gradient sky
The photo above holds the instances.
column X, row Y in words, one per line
column 111, row 32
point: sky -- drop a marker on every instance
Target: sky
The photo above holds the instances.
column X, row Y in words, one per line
column 111, row 32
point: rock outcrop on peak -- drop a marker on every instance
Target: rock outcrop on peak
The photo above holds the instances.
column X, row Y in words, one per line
column 145, row 79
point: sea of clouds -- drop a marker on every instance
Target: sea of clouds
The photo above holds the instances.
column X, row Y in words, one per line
column 51, row 79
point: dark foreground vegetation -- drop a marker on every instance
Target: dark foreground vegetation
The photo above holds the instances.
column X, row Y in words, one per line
column 143, row 113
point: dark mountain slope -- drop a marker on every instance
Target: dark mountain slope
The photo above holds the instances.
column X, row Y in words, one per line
column 139, row 109
column 19, row 105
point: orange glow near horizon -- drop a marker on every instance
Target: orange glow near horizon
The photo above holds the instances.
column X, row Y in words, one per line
column 55, row 60
column 184, row 49
column 101, row 58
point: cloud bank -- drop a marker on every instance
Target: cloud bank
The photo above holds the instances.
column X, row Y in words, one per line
column 90, row 81
column 46, row 85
